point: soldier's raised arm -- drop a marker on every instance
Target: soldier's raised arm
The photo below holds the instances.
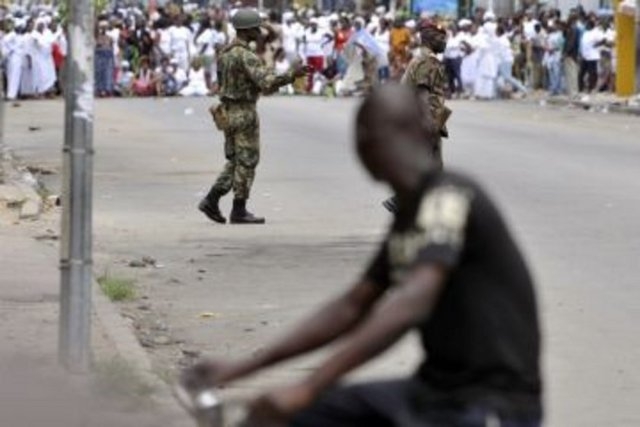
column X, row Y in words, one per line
column 263, row 77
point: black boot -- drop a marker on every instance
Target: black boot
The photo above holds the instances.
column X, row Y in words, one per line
column 391, row 204
column 209, row 207
column 240, row 215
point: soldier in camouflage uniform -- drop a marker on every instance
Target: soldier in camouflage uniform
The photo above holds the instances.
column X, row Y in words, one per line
column 427, row 74
column 243, row 77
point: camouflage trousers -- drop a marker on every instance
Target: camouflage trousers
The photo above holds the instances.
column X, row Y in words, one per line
column 242, row 150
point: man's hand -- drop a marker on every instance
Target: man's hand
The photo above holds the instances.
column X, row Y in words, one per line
column 300, row 70
column 207, row 374
column 277, row 407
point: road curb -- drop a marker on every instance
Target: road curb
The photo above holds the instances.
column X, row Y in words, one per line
column 590, row 106
column 120, row 334
column 19, row 187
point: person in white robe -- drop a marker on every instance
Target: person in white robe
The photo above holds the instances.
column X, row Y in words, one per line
column 487, row 48
column 181, row 43
column 13, row 55
column 197, row 84
column 44, row 70
column 469, row 66
column 28, row 81
column 291, row 36
column 382, row 36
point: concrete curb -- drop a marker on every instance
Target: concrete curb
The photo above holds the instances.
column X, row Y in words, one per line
column 603, row 106
column 19, row 187
column 119, row 333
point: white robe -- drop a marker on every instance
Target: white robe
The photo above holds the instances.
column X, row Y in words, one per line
column 485, row 83
column 43, row 65
column 197, row 84
column 181, row 41
column 13, row 52
column 469, row 67
column 28, row 80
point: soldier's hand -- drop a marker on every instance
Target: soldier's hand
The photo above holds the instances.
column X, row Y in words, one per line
column 301, row 70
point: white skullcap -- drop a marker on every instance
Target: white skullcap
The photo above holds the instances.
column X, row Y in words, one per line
column 288, row 16
column 20, row 23
column 313, row 21
column 464, row 22
column 489, row 16
column 323, row 22
column 334, row 17
column 411, row 24
column 380, row 10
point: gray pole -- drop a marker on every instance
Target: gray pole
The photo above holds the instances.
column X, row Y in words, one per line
column 2, row 107
column 75, row 251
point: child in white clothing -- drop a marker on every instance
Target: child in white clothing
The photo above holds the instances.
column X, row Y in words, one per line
column 197, row 85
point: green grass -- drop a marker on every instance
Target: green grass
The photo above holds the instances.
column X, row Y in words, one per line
column 117, row 288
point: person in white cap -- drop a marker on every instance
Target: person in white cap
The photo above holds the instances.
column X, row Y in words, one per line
column 382, row 36
column 43, row 65
column 453, row 54
column 291, row 36
column 12, row 53
column 485, row 83
column 27, row 82
column 181, row 42
column 313, row 47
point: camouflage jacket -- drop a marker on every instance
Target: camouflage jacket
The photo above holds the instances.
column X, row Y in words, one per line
column 426, row 72
column 243, row 76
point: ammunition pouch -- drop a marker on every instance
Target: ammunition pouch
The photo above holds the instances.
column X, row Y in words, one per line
column 219, row 116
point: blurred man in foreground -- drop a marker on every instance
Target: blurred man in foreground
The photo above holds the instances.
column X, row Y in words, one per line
column 449, row 269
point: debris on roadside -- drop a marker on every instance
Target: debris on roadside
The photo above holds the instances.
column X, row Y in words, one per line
column 145, row 261
column 194, row 354
column 209, row 315
column 50, row 235
column 41, row 170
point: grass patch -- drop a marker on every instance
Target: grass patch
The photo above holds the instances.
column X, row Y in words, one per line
column 117, row 288
column 118, row 378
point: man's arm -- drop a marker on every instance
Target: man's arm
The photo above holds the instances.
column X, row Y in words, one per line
column 407, row 306
column 333, row 320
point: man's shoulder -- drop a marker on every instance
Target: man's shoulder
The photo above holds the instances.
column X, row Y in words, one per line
column 454, row 181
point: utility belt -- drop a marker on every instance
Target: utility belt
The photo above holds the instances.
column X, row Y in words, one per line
column 230, row 101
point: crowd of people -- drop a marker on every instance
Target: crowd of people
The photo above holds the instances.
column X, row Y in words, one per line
column 172, row 51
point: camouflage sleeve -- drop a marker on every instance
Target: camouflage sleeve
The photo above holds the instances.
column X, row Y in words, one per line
column 408, row 76
column 430, row 77
column 262, row 77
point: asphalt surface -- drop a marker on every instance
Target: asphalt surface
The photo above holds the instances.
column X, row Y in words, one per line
column 567, row 180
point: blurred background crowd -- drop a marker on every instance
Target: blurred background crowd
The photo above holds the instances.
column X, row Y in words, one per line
column 171, row 50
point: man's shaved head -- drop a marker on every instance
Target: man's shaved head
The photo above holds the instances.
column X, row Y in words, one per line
column 394, row 133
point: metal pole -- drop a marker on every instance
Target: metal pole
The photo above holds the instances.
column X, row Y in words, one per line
column 76, row 241
column 2, row 107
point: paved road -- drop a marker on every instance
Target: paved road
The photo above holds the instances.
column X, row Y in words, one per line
column 569, row 182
